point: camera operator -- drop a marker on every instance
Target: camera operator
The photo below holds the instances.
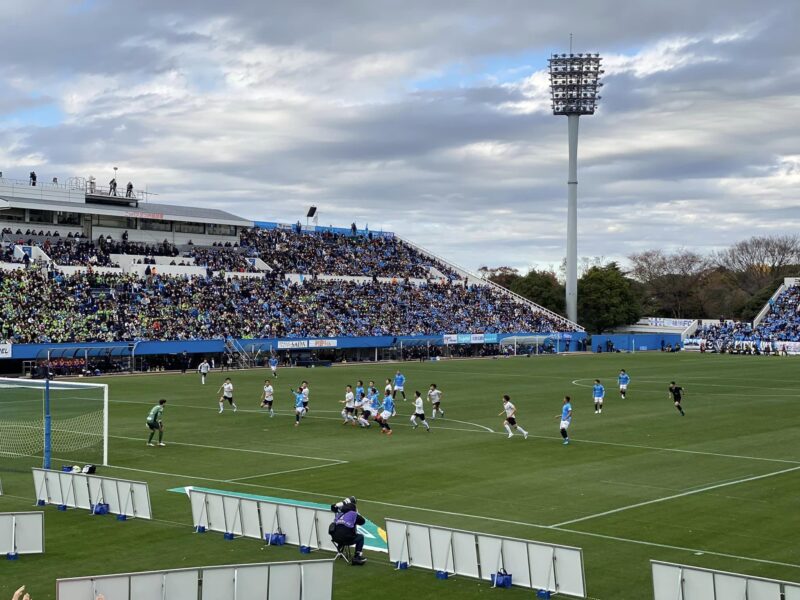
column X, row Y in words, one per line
column 344, row 529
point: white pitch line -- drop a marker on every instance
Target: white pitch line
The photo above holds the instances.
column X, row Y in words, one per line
column 707, row 488
column 330, row 460
column 286, row 471
column 483, row 518
column 490, row 430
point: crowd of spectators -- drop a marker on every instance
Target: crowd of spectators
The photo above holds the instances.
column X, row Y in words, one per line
column 220, row 258
column 35, row 306
column 780, row 324
column 331, row 253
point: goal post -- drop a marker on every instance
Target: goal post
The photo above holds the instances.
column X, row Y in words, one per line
column 54, row 420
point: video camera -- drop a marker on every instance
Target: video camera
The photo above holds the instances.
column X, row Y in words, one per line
column 345, row 505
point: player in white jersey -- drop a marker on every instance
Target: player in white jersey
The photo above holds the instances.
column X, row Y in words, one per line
column 268, row 397
column 349, row 410
column 388, row 389
column 511, row 417
column 227, row 394
column 304, row 385
column 365, row 405
column 435, row 398
column 419, row 412
column 203, row 368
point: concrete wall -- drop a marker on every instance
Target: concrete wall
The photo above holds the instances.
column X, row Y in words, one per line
column 635, row 342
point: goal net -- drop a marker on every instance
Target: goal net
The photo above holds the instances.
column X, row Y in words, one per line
column 54, row 421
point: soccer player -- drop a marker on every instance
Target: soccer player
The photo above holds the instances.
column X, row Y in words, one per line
column 399, row 385
column 366, row 409
column 387, row 389
column 269, row 396
column 304, row 385
column 155, row 423
column 566, row 419
column 349, row 410
column 359, row 390
column 273, row 364
column 203, row 368
column 599, row 392
column 227, row 394
column 299, row 405
column 435, row 398
column 676, row 393
column 511, row 417
column 419, row 412
column 387, row 411
column 623, row 379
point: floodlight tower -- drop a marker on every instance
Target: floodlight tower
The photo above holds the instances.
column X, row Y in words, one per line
column 574, row 89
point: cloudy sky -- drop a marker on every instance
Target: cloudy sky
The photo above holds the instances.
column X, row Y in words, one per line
column 430, row 119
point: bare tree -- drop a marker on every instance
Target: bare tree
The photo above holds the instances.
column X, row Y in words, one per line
column 754, row 263
column 671, row 280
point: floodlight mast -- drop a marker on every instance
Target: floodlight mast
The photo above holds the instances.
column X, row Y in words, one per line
column 574, row 90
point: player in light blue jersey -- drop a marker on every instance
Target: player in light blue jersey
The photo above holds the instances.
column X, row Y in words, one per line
column 566, row 419
column 299, row 405
column 399, row 385
column 623, row 379
column 273, row 364
column 599, row 392
column 387, row 412
column 359, row 389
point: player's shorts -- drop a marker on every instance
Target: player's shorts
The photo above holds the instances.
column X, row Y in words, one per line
column 349, row 410
column 436, row 402
column 305, row 403
column 228, row 398
column 386, row 415
column 623, row 387
column 420, row 416
column 398, row 388
column 299, row 410
column 267, row 402
column 153, row 425
column 598, row 399
column 365, row 414
column 511, row 420
column 565, row 424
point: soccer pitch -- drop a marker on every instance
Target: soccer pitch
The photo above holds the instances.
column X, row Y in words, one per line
column 718, row 488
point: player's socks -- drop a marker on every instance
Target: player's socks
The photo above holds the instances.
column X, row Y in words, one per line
column 508, row 429
column 564, row 434
column 221, row 407
column 150, row 439
column 428, row 427
column 524, row 433
column 235, row 408
column 271, row 413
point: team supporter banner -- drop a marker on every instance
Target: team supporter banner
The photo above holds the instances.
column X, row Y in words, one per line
column 658, row 322
column 450, row 338
column 671, row 581
column 22, row 533
column 76, row 490
column 476, row 338
column 491, row 338
column 464, row 338
column 292, row 344
column 322, row 343
column 5, row 351
column 533, row 565
column 306, row 580
column 692, row 344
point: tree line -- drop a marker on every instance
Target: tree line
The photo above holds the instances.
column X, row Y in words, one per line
column 733, row 283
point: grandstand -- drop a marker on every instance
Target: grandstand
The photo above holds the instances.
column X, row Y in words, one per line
column 124, row 270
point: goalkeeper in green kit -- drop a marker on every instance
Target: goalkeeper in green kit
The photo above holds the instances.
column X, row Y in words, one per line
column 155, row 423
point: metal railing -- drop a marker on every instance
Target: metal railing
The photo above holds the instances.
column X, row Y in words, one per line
column 468, row 274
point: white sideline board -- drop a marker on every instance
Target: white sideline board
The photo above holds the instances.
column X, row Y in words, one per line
column 302, row 580
column 681, row 582
column 253, row 518
column 22, row 532
column 533, row 565
column 77, row 490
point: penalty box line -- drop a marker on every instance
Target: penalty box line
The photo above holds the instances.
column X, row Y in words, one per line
column 707, row 488
column 491, row 519
column 333, row 461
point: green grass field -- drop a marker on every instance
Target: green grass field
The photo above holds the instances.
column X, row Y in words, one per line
column 717, row 488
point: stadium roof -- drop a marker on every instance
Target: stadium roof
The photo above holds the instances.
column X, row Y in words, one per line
column 148, row 210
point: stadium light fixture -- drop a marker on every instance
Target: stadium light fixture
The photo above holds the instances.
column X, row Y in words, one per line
column 574, row 90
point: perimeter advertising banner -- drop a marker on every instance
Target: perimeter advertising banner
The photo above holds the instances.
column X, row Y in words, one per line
column 5, row 351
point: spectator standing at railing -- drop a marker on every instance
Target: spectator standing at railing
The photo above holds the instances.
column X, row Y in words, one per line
column 112, row 187
column 33, row 178
column 129, row 190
